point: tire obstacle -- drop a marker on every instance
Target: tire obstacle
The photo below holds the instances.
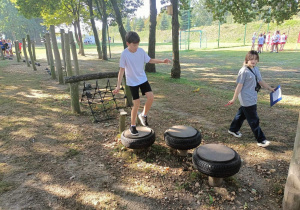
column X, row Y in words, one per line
column 217, row 161
column 138, row 143
column 103, row 104
column 182, row 138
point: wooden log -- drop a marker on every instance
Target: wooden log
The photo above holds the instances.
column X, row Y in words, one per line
column 56, row 55
column 30, row 53
column 67, row 55
column 50, row 55
column 46, row 48
column 62, row 35
column 86, row 77
column 291, row 199
column 17, row 50
column 74, row 53
column 75, row 97
column 33, row 50
column 2, row 55
column 25, row 52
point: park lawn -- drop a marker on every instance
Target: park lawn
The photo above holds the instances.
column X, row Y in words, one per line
column 65, row 160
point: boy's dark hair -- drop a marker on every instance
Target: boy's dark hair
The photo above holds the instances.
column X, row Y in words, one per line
column 132, row 37
column 250, row 55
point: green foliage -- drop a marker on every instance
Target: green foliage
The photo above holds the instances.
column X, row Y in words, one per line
column 246, row 11
column 165, row 23
column 15, row 26
column 140, row 24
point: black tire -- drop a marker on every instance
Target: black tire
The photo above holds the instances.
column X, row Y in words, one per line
column 217, row 169
column 138, row 143
column 183, row 143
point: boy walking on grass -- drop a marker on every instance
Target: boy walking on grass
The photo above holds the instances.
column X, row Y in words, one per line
column 246, row 90
column 132, row 62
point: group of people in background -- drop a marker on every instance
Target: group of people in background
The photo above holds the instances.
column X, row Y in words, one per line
column 271, row 42
column 6, row 47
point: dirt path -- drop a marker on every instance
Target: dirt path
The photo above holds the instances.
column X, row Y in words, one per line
column 53, row 159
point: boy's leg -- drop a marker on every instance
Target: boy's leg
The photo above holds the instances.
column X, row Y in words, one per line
column 135, row 108
column 148, row 104
column 253, row 120
column 237, row 121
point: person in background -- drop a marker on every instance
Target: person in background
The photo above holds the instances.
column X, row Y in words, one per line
column 260, row 43
column 283, row 39
column 253, row 41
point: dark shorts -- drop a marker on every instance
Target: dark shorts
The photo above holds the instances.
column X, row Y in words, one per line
column 145, row 87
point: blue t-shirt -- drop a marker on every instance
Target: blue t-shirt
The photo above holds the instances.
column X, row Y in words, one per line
column 248, row 94
column 134, row 66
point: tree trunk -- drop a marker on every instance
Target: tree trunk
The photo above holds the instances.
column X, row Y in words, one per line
column 25, row 52
column 119, row 21
column 62, row 34
column 56, row 55
column 104, row 30
column 76, row 35
column 291, row 200
column 90, row 3
column 150, row 67
column 50, row 55
column 74, row 53
column 80, row 38
column 30, row 53
column 175, row 71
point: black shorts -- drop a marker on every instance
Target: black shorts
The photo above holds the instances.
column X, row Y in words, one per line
column 145, row 87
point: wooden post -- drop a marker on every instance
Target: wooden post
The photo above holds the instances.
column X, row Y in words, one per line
column 17, row 50
column 122, row 120
column 2, row 55
column 56, row 55
column 68, row 66
column 46, row 48
column 33, row 50
column 291, row 199
column 215, row 182
column 30, row 53
column 50, row 55
column 73, row 86
column 74, row 53
column 62, row 35
column 25, row 52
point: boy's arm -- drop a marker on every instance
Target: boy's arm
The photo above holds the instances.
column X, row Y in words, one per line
column 160, row 61
column 265, row 85
column 237, row 91
column 120, row 77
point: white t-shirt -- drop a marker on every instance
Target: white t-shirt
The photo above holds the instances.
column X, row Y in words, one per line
column 253, row 38
column 283, row 38
column 134, row 66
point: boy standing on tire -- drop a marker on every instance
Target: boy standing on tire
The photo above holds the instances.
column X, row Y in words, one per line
column 248, row 85
column 132, row 62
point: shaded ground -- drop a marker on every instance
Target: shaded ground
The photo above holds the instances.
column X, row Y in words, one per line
column 53, row 159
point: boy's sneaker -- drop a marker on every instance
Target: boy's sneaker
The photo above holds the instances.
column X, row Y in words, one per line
column 143, row 120
column 133, row 131
column 236, row 134
column 264, row 143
